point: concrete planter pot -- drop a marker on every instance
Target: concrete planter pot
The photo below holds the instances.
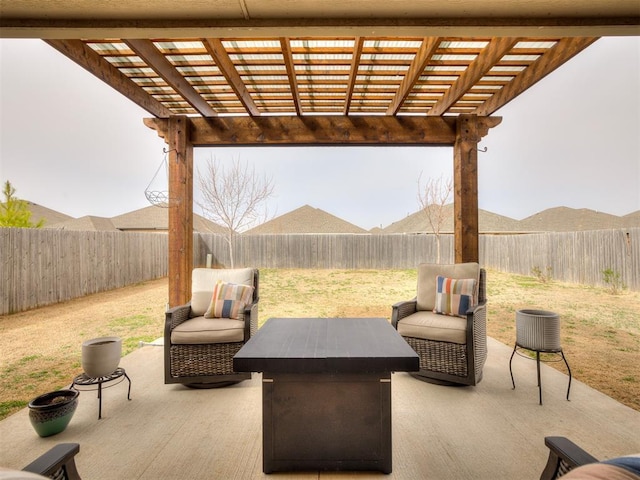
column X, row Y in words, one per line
column 538, row 330
column 101, row 356
column 51, row 412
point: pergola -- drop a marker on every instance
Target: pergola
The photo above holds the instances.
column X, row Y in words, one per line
column 349, row 72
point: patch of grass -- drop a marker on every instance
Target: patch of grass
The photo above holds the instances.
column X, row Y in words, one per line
column 129, row 344
column 41, row 375
column 527, row 282
column 28, row 359
column 10, row 406
column 130, row 322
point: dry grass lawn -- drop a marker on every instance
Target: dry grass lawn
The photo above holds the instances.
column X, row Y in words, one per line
column 40, row 349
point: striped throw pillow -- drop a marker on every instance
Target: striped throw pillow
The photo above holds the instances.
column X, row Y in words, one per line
column 454, row 296
column 228, row 300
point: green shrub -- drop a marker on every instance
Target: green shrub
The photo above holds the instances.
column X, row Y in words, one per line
column 613, row 280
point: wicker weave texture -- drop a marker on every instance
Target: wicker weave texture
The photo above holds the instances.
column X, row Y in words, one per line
column 441, row 357
column 480, row 340
column 564, row 467
column 200, row 360
column 179, row 315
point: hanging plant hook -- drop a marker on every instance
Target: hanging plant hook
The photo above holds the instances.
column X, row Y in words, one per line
column 159, row 198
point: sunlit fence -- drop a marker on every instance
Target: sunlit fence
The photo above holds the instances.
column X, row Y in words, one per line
column 42, row 266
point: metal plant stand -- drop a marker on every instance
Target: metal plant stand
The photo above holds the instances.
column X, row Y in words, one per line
column 83, row 380
column 538, row 331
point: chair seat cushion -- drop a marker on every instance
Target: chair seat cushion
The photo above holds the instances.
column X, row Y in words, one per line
column 204, row 330
column 433, row 326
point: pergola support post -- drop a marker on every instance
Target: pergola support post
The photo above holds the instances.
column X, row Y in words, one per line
column 465, row 191
column 180, row 210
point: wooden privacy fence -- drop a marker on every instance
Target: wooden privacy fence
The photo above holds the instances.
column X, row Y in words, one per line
column 42, row 266
column 348, row 251
column 577, row 257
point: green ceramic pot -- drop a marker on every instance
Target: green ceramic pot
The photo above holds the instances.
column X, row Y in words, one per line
column 51, row 412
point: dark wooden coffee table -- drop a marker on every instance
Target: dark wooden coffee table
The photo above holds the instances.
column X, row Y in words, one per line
column 326, row 391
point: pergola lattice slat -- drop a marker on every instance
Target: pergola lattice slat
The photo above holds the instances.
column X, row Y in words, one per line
column 430, row 76
column 156, row 60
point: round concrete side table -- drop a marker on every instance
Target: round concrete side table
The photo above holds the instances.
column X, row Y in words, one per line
column 538, row 331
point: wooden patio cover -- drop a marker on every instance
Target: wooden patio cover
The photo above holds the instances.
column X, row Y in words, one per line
column 348, row 72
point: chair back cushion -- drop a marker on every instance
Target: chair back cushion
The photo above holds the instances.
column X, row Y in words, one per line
column 427, row 274
column 203, row 281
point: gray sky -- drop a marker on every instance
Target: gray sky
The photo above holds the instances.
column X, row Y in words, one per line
column 71, row 143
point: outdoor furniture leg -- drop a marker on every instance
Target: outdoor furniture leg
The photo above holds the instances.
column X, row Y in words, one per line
column 513, row 382
column 539, row 381
column 99, row 400
column 129, row 390
column 569, row 370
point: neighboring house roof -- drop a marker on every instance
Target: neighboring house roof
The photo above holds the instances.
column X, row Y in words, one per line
column 632, row 219
column 418, row 222
column 154, row 218
column 148, row 219
column 50, row 217
column 86, row 223
column 558, row 219
column 306, row 219
column 565, row 219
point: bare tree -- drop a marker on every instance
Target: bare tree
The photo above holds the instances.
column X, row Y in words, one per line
column 234, row 195
column 432, row 199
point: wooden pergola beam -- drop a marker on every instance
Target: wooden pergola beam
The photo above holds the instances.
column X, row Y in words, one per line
column 291, row 73
column 225, row 64
column 317, row 130
column 353, row 72
column 492, row 53
column 37, row 25
column 147, row 51
column 424, row 53
column 83, row 55
column 563, row 51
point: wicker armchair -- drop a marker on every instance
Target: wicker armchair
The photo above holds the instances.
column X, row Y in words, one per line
column 452, row 349
column 198, row 351
column 58, row 463
column 568, row 459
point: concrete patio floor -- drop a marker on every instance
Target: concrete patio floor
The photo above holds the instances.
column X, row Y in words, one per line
column 484, row 432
